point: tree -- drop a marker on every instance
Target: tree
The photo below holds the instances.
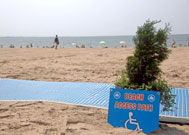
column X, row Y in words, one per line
column 142, row 70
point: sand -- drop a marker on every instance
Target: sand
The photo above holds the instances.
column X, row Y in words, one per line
column 75, row 65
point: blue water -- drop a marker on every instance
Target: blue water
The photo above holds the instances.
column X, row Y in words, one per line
column 67, row 42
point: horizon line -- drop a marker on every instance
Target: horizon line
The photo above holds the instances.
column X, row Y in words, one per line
column 80, row 36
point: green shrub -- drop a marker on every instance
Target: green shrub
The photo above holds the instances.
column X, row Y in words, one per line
column 142, row 70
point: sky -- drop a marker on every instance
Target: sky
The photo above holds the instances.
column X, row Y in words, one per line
column 89, row 17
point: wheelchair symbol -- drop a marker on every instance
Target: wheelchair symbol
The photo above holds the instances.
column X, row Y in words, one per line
column 130, row 122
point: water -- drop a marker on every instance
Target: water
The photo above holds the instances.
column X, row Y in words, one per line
column 67, row 42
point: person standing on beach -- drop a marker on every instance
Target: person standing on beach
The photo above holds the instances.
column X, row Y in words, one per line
column 174, row 44
column 56, row 41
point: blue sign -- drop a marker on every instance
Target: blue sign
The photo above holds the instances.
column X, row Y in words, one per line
column 134, row 109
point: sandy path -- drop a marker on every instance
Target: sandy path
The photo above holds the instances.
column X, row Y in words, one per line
column 84, row 64
column 45, row 118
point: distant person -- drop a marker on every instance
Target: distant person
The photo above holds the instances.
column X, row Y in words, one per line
column 82, row 46
column 56, row 41
column 174, row 44
column 77, row 46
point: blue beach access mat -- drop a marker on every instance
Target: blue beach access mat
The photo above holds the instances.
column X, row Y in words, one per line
column 86, row 94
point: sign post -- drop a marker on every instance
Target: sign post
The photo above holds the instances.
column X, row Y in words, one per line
column 134, row 109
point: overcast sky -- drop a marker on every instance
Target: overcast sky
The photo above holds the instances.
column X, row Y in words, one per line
column 89, row 17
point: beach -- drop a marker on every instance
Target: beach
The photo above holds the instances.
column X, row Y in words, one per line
column 97, row 65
